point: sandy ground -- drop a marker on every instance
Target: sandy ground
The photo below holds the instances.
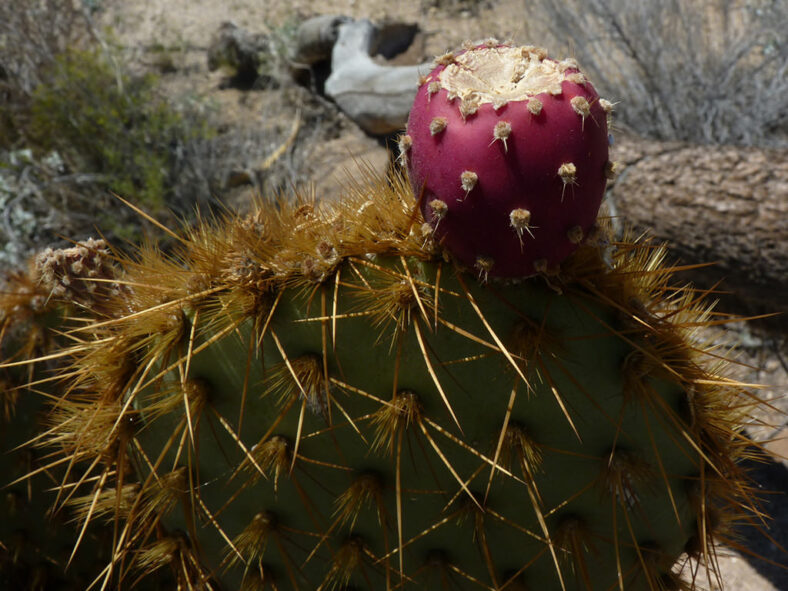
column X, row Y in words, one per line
column 185, row 28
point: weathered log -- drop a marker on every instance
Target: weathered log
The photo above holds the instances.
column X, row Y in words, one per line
column 721, row 204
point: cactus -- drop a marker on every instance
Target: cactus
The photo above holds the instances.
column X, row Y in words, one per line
column 509, row 151
column 313, row 398
column 22, row 336
column 321, row 397
column 36, row 543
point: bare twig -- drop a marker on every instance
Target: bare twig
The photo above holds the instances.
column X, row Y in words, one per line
column 707, row 72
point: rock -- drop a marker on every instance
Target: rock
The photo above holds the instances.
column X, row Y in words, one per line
column 376, row 97
column 240, row 51
column 237, row 178
column 315, row 39
column 336, row 162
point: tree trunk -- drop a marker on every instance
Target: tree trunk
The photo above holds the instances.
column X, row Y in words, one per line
column 721, row 204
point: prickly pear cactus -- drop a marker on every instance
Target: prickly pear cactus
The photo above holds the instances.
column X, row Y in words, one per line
column 36, row 543
column 22, row 337
column 509, row 152
column 322, row 397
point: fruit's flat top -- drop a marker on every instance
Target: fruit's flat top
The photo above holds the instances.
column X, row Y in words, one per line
column 502, row 73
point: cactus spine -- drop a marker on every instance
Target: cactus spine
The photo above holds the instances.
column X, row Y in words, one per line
column 321, row 397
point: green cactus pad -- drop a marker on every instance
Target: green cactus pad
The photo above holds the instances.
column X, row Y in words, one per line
column 311, row 398
column 36, row 539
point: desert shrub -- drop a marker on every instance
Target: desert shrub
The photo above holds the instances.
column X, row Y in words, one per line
column 103, row 120
column 32, row 34
column 77, row 124
column 713, row 71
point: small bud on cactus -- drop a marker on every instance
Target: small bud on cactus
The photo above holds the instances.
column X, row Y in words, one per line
column 522, row 132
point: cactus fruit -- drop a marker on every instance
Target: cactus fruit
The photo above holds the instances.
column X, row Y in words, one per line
column 508, row 150
column 312, row 398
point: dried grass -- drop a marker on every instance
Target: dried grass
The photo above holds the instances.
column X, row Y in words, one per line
column 714, row 71
column 32, row 34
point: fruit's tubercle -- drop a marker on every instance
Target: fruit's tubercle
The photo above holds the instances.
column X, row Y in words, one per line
column 507, row 150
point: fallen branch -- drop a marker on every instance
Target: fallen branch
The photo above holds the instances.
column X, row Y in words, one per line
column 722, row 204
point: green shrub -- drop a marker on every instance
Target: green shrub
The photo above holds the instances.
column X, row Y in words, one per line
column 105, row 120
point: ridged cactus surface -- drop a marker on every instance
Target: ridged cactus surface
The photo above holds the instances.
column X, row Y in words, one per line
column 313, row 398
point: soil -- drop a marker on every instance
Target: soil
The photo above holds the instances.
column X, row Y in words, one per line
column 327, row 145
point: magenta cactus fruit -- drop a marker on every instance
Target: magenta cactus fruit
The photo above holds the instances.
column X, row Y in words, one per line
column 508, row 151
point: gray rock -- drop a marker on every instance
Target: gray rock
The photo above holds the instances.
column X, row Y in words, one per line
column 315, row 38
column 239, row 50
column 376, row 97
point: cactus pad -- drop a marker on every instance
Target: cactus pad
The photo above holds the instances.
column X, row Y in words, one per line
column 312, row 398
column 36, row 542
